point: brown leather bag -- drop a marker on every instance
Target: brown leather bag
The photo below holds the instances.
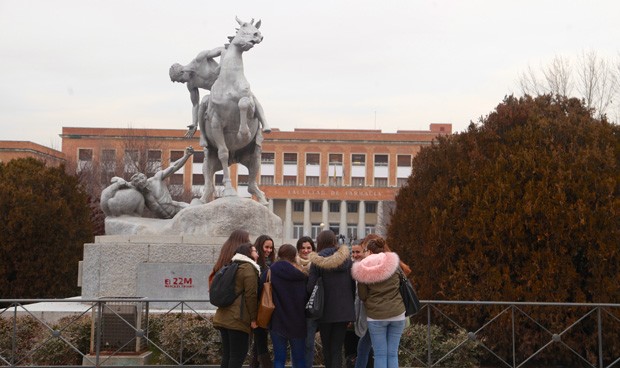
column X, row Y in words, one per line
column 266, row 306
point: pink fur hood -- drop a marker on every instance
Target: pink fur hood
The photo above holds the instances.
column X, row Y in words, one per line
column 375, row 268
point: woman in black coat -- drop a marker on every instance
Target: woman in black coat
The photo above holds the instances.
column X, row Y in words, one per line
column 288, row 322
column 333, row 264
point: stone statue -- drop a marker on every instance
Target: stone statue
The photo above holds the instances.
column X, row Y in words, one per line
column 121, row 198
column 202, row 72
column 199, row 73
column 129, row 198
column 232, row 115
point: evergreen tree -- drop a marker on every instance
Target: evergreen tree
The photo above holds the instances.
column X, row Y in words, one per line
column 522, row 207
column 44, row 222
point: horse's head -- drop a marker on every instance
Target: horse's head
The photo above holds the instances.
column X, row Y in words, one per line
column 247, row 35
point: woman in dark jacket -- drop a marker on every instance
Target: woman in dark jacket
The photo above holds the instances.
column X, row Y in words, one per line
column 333, row 264
column 288, row 322
column 236, row 321
column 266, row 256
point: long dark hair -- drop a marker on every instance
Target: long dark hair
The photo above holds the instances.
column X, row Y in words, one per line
column 326, row 239
column 231, row 244
column 262, row 261
column 305, row 239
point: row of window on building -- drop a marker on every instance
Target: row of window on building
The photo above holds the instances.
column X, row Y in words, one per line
column 334, row 207
column 357, row 159
column 132, row 163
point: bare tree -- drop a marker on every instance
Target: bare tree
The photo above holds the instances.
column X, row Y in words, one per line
column 597, row 83
column 556, row 79
column 617, row 78
column 595, row 79
column 558, row 76
column 141, row 153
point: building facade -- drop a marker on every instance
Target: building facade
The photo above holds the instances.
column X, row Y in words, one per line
column 10, row 150
column 315, row 179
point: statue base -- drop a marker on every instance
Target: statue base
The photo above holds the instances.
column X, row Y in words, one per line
column 169, row 259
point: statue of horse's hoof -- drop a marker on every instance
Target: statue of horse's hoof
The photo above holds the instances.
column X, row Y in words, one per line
column 229, row 192
column 197, row 202
column 267, row 130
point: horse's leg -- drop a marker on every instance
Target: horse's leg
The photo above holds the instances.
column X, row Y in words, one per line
column 252, row 162
column 210, row 165
column 217, row 136
column 246, row 111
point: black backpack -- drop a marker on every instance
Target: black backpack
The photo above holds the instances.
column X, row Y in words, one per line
column 222, row 290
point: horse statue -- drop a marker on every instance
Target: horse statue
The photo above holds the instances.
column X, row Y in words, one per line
column 230, row 118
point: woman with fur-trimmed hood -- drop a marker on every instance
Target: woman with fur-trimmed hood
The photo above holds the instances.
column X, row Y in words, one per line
column 333, row 264
column 377, row 278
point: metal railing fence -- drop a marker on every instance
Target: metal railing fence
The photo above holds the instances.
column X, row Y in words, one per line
column 105, row 332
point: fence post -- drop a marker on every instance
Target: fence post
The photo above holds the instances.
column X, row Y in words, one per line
column 98, row 332
column 429, row 363
column 182, row 333
column 600, row 337
column 514, row 348
column 14, row 347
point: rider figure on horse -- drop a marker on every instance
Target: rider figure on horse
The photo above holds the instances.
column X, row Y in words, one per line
column 202, row 72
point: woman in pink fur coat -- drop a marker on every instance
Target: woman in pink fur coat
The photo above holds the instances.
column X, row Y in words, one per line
column 377, row 286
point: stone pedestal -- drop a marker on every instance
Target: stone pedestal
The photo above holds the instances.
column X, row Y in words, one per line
column 169, row 259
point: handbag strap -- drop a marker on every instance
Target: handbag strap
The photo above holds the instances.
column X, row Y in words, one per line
column 268, row 275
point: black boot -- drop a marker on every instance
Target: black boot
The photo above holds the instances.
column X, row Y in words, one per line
column 253, row 358
column 265, row 361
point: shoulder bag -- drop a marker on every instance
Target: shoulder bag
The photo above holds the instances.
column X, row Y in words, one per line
column 314, row 307
column 266, row 306
column 410, row 299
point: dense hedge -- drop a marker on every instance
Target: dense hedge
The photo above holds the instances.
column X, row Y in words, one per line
column 192, row 340
column 522, row 207
column 44, row 223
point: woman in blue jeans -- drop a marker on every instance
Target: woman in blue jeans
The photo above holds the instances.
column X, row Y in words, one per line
column 378, row 288
column 288, row 321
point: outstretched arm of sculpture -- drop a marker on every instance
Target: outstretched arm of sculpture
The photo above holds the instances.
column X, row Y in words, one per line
column 194, row 96
column 178, row 164
column 120, row 183
column 209, row 54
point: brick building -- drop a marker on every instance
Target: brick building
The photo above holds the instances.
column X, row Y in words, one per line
column 345, row 180
column 10, row 150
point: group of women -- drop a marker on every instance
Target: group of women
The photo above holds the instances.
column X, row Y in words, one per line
column 371, row 280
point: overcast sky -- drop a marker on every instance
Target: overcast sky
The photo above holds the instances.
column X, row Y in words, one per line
column 391, row 64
